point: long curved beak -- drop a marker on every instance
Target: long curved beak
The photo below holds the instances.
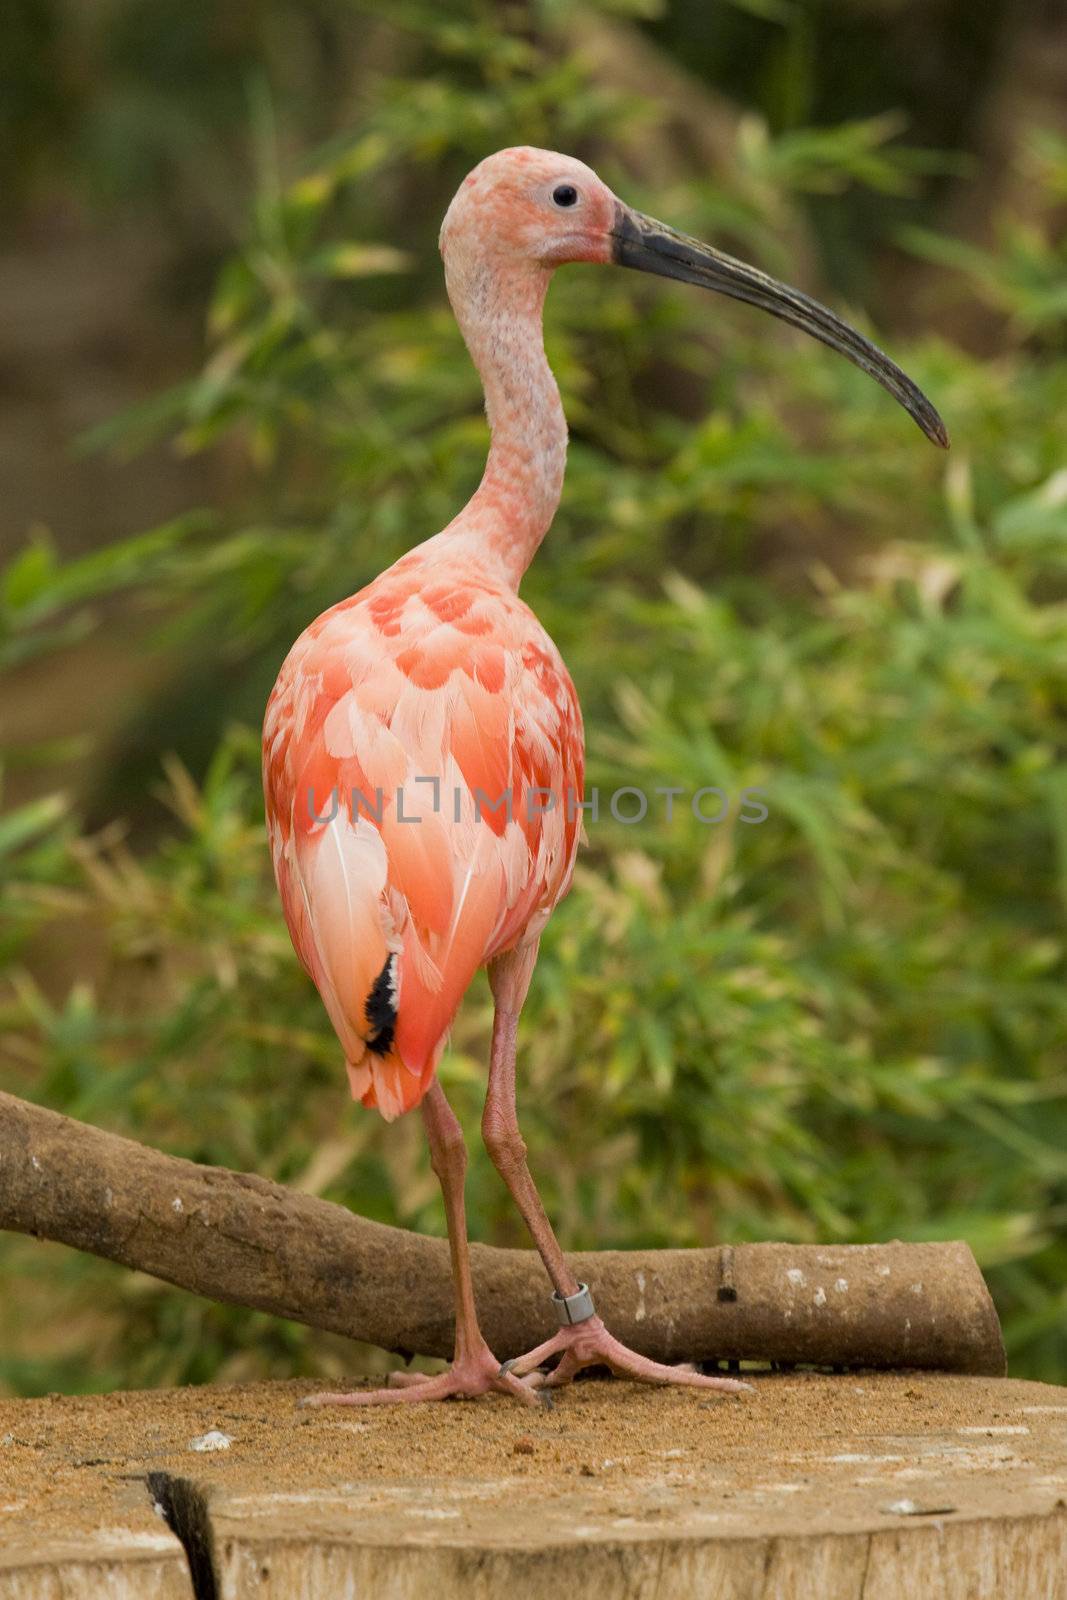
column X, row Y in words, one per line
column 652, row 246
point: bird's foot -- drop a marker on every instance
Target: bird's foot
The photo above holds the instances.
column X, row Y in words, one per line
column 473, row 1373
column 589, row 1344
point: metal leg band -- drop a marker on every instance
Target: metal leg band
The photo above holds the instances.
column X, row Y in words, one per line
column 573, row 1308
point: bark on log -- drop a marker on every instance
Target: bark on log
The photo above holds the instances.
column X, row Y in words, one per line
column 235, row 1237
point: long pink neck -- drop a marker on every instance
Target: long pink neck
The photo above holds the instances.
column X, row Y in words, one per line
column 499, row 312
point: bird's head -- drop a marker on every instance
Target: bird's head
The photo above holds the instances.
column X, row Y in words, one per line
column 532, row 208
column 523, row 212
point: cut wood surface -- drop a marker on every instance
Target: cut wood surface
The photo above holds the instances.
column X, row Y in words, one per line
column 858, row 1487
column 236, row 1237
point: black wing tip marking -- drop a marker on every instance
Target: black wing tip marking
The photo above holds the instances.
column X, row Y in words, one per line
column 380, row 1009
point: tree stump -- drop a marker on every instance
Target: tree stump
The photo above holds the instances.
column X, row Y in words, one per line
column 854, row 1487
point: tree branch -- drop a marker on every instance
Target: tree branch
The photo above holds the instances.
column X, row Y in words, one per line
column 232, row 1236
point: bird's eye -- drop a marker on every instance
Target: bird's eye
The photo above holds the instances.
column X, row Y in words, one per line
column 565, row 194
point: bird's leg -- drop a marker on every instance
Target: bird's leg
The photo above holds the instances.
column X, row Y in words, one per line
column 507, row 1149
column 474, row 1370
column 579, row 1343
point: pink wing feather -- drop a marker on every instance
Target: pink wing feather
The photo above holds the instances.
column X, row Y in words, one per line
column 433, row 672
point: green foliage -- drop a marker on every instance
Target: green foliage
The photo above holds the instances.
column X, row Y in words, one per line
column 1025, row 278
column 846, row 1021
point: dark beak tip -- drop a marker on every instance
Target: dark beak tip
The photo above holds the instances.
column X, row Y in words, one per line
column 936, row 432
column 651, row 246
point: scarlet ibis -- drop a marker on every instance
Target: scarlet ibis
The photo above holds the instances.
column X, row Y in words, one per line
column 423, row 747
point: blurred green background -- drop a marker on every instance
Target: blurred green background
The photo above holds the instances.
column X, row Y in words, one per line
column 231, row 391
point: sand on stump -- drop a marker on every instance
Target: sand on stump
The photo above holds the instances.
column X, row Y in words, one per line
column 854, row 1487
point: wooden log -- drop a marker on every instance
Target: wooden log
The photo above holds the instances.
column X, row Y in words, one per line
column 874, row 1487
column 235, row 1237
column 73, row 1528
column 114, row 1567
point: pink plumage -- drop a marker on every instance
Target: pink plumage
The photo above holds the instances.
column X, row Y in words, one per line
column 405, row 725
column 422, row 750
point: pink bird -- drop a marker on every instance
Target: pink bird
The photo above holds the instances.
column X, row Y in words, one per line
column 423, row 750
